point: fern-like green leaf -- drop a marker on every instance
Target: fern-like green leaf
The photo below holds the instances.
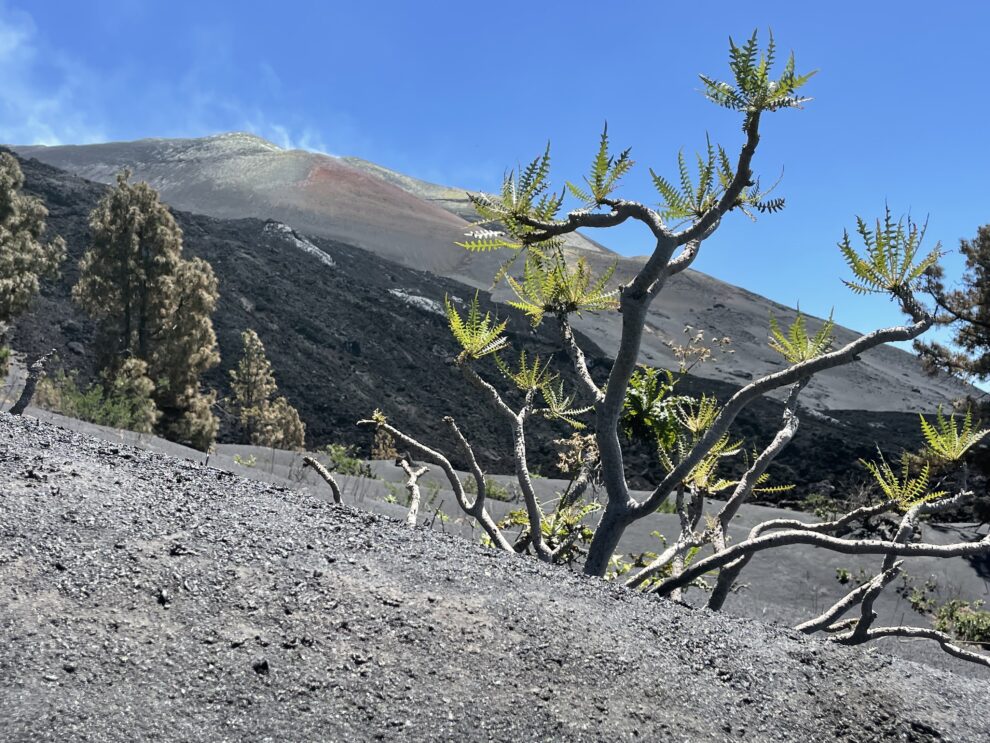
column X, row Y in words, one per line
column 549, row 284
column 946, row 441
column 753, row 88
column 891, row 264
column 478, row 335
column 796, row 345
column 907, row 490
column 527, row 376
column 559, row 405
column 606, row 171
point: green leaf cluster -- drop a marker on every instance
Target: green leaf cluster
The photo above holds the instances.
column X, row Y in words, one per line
column 606, row 171
column 906, row 489
column 481, row 335
column 478, row 335
column 693, row 417
column 535, row 376
column 690, row 200
column 549, row 285
column 754, row 89
column 796, row 345
column 525, row 195
column 560, row 405
column 891, row 264
column 563, row 525
column 528, row 375
column 649, row 408
column 946, row 441
column 704, row 477
column 964, row 620
column 689, row 420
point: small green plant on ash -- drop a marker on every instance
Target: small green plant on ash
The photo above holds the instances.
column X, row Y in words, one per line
column 920, row 597
column 249, row 461
column 964, row 620
column 394, row 492
column 123, row 400
column 844, row 576
column 493, row 488
column 345, row 461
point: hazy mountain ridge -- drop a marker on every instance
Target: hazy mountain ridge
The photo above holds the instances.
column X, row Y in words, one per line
column 416, row 223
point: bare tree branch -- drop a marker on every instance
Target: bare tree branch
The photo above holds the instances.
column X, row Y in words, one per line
column 325, row 474
column 621, row 210
column 479, row 477
column 518, row 424
column 412, row 485
column 844, row 546
column 727, row 576
column 840, row 607
column 947, row 642
column 578, row 359
column 476, row 510
column 675, row 266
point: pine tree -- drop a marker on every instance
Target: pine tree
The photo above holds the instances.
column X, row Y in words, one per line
column 266, row 422
column 283, row 428
column 153, row 305
column 188, row 348
column 253, row 383
column 967, row 310
column 131, row 390
column 24, row 258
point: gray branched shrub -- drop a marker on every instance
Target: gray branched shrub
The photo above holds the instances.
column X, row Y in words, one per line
column 691, row 436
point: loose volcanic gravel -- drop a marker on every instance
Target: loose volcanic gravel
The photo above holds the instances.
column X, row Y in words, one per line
column 147, row 598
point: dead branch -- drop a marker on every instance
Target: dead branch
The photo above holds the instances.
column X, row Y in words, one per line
column 325, row 474
column 475, row 509
column 947, row 642
column 412, row 485
column 36, row 371
column 804, row 536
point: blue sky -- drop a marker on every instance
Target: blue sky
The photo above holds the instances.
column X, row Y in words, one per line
column 455, row 92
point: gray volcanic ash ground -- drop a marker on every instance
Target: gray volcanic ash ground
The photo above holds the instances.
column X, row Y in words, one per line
column 145, row 597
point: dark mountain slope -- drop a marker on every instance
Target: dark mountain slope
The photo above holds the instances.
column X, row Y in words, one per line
column 349, row 337
column 337, row 323
column 415, row 223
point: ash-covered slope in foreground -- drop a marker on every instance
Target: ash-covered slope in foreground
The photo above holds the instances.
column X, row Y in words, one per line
column 416, row 223
column 145, row 597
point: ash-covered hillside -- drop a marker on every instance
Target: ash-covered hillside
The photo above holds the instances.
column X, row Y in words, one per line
column 348, row 332
column 415, row 223
column 148, row 598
